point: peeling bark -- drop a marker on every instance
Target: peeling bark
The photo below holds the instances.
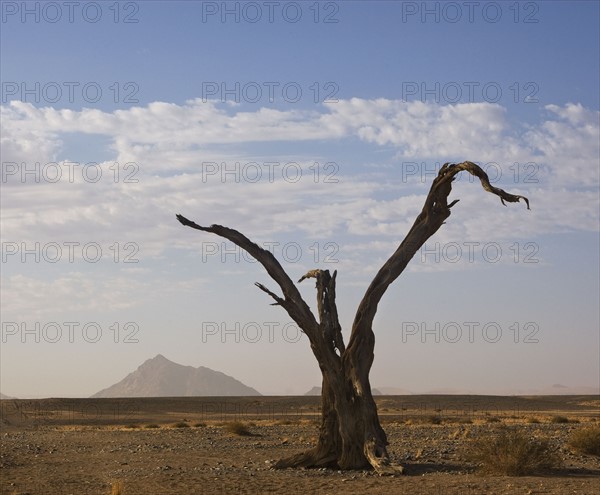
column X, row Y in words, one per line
column 350, row 435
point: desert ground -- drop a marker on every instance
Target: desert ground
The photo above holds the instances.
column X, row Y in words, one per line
column 198, row 445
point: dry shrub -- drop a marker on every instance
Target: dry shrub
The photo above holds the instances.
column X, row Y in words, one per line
column 237, row 428
column 152, row 425
column 559, row 419
column 510, row 452
column 586, row 440
column 493, row 419
column 432, row 419
column 180, row 424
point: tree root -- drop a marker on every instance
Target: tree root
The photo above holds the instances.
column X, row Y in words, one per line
column 380, row 463
column 316, row 458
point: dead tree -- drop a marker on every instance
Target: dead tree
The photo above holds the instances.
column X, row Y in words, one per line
column 351, row 436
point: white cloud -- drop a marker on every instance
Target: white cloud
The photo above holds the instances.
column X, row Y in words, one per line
column 166, row 137
column 427, row 130
column 25, row 297
column 570, row 145
column 73, row 293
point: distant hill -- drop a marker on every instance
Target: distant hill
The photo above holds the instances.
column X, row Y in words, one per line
column 2, row 396
column 159, row 377
column 394, row 391
column 558, row 389
column 314, row 391
column 317, row 391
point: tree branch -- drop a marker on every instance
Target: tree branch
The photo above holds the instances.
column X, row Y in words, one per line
column 326, row 305
column 292, row 301
column 359, row 353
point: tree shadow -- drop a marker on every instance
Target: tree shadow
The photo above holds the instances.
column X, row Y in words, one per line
column 578, row 472
column 419, row 469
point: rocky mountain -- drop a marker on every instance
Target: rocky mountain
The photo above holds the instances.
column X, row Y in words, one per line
column 159, row 377
column 314, row 391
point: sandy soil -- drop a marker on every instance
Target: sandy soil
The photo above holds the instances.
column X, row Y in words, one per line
column 72, row 446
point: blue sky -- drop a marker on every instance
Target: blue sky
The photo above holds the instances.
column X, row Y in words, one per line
column 331, row 173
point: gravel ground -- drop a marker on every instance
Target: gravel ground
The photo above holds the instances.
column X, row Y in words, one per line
column 209, row 460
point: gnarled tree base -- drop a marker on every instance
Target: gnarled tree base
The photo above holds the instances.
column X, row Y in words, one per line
column 321, row 457
column 350, row 436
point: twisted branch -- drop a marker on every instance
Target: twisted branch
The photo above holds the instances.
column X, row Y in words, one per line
column 435, row 211
column 292, row 301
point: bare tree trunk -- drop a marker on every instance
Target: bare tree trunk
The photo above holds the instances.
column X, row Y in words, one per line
column 350, row 435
